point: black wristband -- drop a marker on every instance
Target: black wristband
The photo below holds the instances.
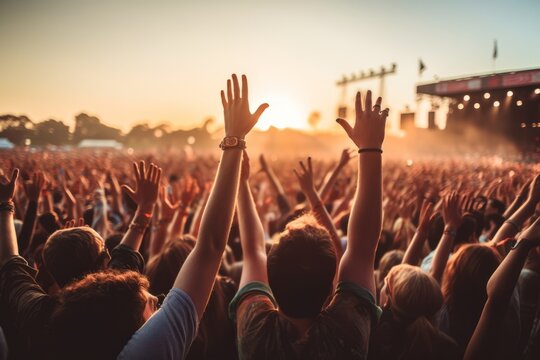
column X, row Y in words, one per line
column 7, row 206
column 363, row 150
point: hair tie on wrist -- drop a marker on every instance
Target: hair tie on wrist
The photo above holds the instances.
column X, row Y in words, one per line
column 363, row 150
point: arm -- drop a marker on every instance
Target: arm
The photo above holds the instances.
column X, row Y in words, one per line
column 305, row 178
column 326, row 187
column 364, row 230
column 145, row 197
column 251, row 232
column 188, row 194
column 196, row 277
column 414, row 251
column 283, row 202
column 160, row 232
column 33, row 190
column 513, row 225
column 8, row 237
column 499, row 289
column 451, row 213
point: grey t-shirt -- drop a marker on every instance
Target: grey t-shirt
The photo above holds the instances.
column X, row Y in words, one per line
column 168, row 334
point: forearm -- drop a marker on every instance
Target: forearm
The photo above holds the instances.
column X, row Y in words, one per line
column 513, row 225
column 179, row 223
column 415, row 249
column 135, row 233
column 27, row 229
column 329, row 183
column 442, row 253
column 8, row 237
column 323, row 217
column 158, row 238
column 274, row 181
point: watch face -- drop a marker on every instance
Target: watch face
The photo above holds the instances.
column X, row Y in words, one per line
column 231, row 141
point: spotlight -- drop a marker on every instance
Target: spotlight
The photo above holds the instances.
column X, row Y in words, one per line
column 476, row 105
column 466, row 98
column 460, row 106
column 519, row 103
column 496, row 104
column 523, row 125
column 509, row 93
column 487, row 95
column 537, row 91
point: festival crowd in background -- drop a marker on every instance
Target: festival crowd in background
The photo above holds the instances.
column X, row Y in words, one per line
column 156, row 255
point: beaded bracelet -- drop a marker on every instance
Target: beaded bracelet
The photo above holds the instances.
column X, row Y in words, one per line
column 7, row 206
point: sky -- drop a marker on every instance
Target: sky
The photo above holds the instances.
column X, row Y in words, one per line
column 159, row 61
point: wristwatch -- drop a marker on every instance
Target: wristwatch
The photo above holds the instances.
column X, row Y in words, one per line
column 232, row 142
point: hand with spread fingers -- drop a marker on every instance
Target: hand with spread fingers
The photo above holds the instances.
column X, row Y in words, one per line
column 238, row 118
column 147, row 186
column 370, row 122
column 305, row 177
column 7, row 187
column 33, row 187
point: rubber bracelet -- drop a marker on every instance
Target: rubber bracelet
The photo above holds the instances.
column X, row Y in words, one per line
column 7, row 206
column 513, row 224
column 363, row 150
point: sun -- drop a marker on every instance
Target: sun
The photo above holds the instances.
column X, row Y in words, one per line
column 282, row 113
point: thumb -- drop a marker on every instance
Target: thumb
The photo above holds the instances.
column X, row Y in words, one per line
column 345, row 125
column 259, row 111
column 129, row 191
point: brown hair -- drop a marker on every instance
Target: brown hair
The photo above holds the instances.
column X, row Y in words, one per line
column 301, row 268
column 69, row 254
column 98, row 314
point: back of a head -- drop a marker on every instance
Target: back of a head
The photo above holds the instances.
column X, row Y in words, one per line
column 97, row 315
column 163, row 268
column 464, row 287
column 69, row 254
column 301, row 268
column 415, row 297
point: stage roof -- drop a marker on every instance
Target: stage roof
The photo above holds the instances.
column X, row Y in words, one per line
column 476, row 83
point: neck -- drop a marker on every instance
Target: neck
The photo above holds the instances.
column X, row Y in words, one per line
column 300, row 325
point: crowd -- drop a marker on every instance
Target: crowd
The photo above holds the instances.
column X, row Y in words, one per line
column 104, row 255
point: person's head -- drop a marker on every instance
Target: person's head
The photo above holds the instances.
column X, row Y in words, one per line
column 301, row 268
column 97, row 315
column 466, row 232
column 495, row 206
column 383, row 246
column 411, row 293
column 69, row 254
column 388, row 261
column 162, row 269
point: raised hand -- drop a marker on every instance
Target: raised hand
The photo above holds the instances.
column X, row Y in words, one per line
column 346, row 156
column 33, row 187
column 147, row 186
column 167, row 208
column 533, row 196
column 452, row 211
column 7, row 187
column 426, row 215
column 369, row 125
column 264, row 164
column 531, row 234
column 305, row 177
column 238, row 118
column 72, row 223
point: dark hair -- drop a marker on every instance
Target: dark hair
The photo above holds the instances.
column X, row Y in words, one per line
column 435, row 231
column 498, row 205
column 98, row 314
column 49, row 222
column 301, row 268
column 113, row 241
column 466, row 230
column 384, row 245
column 162, row 269
column 69, row 254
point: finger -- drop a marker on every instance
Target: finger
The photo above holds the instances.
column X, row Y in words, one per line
column 297, row 175
column 368, row 101
column 236, row 87
column 259, row 111
column 136, row 171
column 223, row 100
column 81, row 222
column 384, row 114
column 303, row 166
column 158, row 175
column 345, row 125
column 142, row 169
column 377, row 106
column 229, row 92
column 310, row 166
column 244, row 88
column 128, row 190
column 358, row 104
column 14, row 176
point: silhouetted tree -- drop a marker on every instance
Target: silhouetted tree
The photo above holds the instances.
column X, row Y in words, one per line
column 51, row 132
column 16, row 128
column 90, row 127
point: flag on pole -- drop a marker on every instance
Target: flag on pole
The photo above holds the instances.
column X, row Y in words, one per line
column 495, row 51
column 421, row 67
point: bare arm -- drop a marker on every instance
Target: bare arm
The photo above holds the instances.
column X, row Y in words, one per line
column 145, row 197
column 197, row 275
column 8, row 237
column 414, row 250
column 251, row 232
column 357, row 265
column 452, row 219
column 305, row 178
column 326, row 187
column 499, row 289
column 283, row 202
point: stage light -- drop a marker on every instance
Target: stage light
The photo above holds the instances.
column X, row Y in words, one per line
column 533, row 125
column 509, row 93
column 487, row 95
column 537, row 91
column 466, row 98
column 523, row 125
column 496, row 104
column 460, row 106
column 519, row 103
column 476, row 105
